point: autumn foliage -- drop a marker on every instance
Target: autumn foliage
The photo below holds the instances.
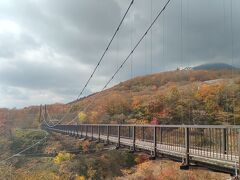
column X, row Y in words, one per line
column 175, row 97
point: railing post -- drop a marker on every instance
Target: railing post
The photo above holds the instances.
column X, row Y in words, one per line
column 161, row 135
column 155, row 141
column 45, row 112
column 134, row 138
column 187, row 145
column 73, row 130
column 143, row 133
column 129, row 132
column 225, row 141
column 238, row 152
column 99, row 133
column 71, row 133
column 81, row 128
column 40, row 114
column 76, row 131
column 92, row 131
column 107, row 134
column 186, row 164
column 119, row 134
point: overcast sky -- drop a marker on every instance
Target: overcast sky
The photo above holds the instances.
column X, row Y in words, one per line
column 48, row 48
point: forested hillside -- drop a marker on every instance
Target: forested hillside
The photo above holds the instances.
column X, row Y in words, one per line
column 175, row 97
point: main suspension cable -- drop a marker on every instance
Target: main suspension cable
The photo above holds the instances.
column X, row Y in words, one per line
column 131, row 52
column 109, row 44
column 137, row 44
column 129, row 55
column 99, row 62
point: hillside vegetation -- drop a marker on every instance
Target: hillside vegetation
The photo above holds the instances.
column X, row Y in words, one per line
column 175, row 97
column 168, row 170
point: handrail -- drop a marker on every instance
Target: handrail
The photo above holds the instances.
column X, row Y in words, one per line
column 151, row 126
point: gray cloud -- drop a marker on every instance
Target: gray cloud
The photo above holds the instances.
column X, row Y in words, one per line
column 49, row 48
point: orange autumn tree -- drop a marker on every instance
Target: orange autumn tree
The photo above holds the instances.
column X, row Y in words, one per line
column 116, row 104
column 209, row 94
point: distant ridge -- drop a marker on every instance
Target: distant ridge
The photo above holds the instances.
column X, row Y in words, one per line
column 214, row 66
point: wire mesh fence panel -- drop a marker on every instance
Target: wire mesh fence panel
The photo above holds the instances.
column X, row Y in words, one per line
column 84, row 129
column 140, row 133
column 171, row 138
column 126, row 132
column 104, row 130
column 218, row 143
column 232, row 143
column 148, row 136
column 95, row 129
column 113, row 131
column 88, row 130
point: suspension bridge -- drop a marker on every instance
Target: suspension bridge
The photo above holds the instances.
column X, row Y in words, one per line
column 213, row 146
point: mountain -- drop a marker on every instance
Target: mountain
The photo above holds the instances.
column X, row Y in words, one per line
column 214, row 66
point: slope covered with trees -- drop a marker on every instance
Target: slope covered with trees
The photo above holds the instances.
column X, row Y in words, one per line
column 176, row 97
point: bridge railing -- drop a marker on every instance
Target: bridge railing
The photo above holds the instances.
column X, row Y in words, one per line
column 218, row 142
